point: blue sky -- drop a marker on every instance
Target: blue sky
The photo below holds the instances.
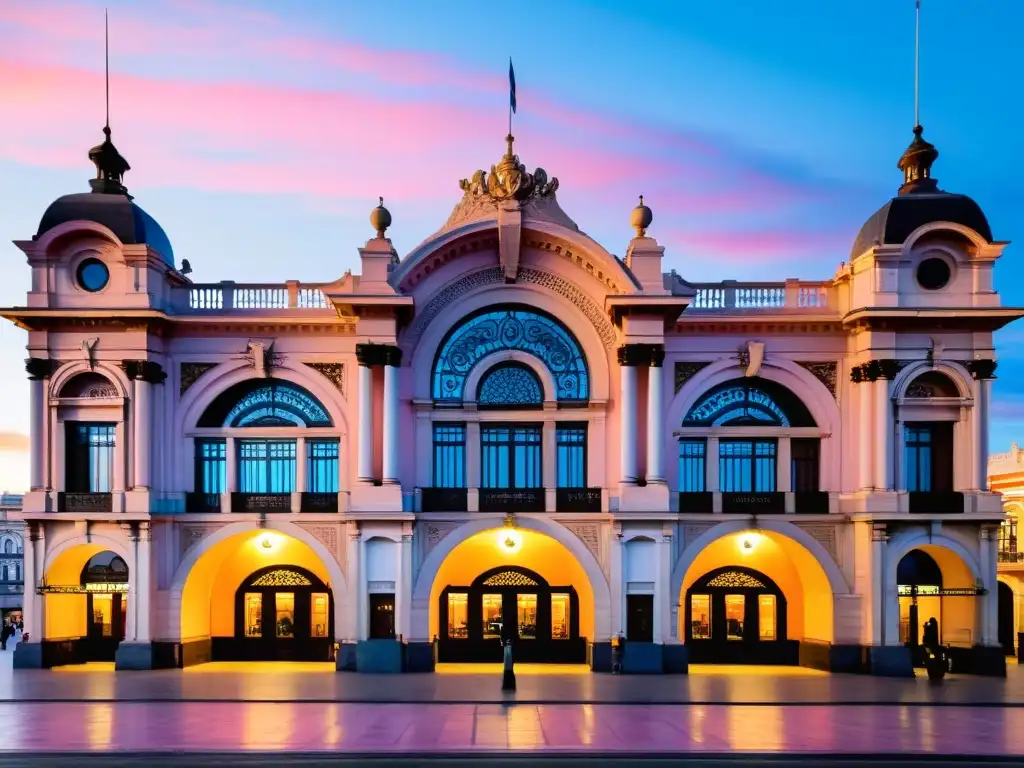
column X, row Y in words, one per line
column 762, row 133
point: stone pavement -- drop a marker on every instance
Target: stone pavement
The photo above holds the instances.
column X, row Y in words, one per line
column 317, row 683
column 415, row 730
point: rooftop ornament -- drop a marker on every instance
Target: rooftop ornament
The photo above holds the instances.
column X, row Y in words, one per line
column 509, row 180
column 641, row 218
column 380, row 219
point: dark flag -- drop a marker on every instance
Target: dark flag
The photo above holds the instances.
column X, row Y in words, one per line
column 511, row 86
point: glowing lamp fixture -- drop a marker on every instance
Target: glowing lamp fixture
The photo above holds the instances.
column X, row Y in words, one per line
column 748, row 542
column 509, row 540
column 268, row 542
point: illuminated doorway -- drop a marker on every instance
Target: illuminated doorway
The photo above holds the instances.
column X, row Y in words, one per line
column 510, row 603
column 282, row 613
column 736, row 615
column 105, row 583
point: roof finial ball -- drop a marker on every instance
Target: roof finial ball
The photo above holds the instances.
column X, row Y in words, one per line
column 641, row 218
column 380, row 219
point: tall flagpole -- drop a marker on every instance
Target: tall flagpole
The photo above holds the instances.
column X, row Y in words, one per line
column 917, row 64
column 106, row 60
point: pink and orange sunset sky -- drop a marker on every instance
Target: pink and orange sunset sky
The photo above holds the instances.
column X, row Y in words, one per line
column 761, row 132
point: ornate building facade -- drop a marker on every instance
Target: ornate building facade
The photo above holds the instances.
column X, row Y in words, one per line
column 12, row 553
column 509, row 433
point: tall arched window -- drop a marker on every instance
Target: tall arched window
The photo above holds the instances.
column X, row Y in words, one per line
column 930, row 410
column 8, row 547
column 266, row 459
column 752, row 420
column 511, row 328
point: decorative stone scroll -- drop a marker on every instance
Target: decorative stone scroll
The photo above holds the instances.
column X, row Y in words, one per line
column 333, row 372
column 686, row 370
column 190, row 373
column 825, row 372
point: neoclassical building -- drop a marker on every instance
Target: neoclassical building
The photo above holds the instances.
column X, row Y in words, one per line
column 510, row 433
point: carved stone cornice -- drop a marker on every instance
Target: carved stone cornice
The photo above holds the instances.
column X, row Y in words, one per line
column 635, row 355
column 372, row 355
column 40, row 367
column 686, row 370
column 190, row 372
column 982, row 369
column 144, row 370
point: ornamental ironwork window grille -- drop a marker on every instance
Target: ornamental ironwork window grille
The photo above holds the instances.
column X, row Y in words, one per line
column 511, row 456
column 266, row 466
column 928, row 457
column 282, row 578
column 90, row 457
column 511, row 328
column 735, row 579
column 571, row 455
column 749, row 402
column 449, row 456
column 692, row 466
column 509, row 579
column 322, row 466
column 805, row 461
column 510, row 385
column 747, row 466
column 211, row 466
column 276, row 404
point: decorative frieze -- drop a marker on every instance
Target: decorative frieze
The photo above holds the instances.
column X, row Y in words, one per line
column 333, row 372
column 189, row 373
column 825, row 372
column 824, row 535
column 590, row 535
column 328, row 536
column 686, row 370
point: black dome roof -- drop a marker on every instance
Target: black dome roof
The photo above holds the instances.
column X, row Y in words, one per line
column 117, row 212
column 893, row 223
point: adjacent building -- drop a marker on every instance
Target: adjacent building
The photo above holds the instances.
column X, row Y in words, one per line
column 12, row 563
column 511, row 434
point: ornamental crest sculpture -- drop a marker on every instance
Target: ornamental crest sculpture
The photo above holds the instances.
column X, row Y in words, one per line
column 509, row 180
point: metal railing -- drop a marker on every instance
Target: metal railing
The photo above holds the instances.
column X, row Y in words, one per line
column 790, row 295
column 228, row 295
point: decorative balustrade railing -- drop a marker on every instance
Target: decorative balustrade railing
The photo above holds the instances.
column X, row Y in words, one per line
column 226, row 296
column 732, row 296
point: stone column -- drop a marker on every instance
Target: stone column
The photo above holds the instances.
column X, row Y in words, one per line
column 549, row 465
column 656, row 416
column 39, row 546
column 884, row 434
column 403, row 589
column 131, row 620
column 784, row 470
column 629, row 358
column 363, row 607
column 38, row 371
column 988, row 619
column 712, row 480
column 983, row 371
column 863, row 416
column 142, row 433
column 662, row 592
column 473, row 474
column 365, row 403
column 143, row 582
column 618, row 584
column 33, row 602
column 118, row 480
column 392, row 361
column 350, row 630
column 230, row 473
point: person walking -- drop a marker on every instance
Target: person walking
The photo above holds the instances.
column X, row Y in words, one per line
column 5, row 633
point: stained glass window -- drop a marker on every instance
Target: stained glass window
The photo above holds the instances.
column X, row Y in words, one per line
column 749, row 402
column 510, row 385
column 265, row 403
column 511, row 328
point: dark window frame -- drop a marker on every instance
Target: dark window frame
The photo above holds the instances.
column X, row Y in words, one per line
column 805, row 464
column 693, row 465
column 269, row 462
column 571, row 454
column 88, row 445
column 748, row 467
column 449, row 455
column 323, row 458
column 491, row 462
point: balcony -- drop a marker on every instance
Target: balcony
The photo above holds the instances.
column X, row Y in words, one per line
column 202, row 502
column 228, row 296
column 697, row 502
column 261, row 502
column 85, row 502
column 757, row 503
column 791, row 296
column 319, row 502
column 811, row 502
column 936, row 502
column 1011, row 556
column 444, row 499
column 578, row 499
column 511, row 499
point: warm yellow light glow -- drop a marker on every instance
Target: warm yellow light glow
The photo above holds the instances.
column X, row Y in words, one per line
column 509, row 540
column 268, row 542
column 748, row 542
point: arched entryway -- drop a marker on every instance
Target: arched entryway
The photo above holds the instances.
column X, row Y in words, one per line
column 737, row 615
column 919, row 586
column 1007, row 623
column 105, row 584
column 510, row 603
column 282, row 613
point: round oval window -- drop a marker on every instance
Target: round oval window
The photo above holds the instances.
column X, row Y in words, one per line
column 933, row 274
column 93, row 275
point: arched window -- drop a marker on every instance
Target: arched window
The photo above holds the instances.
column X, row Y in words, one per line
column 265, row 403
column 510, row 385
column 89, row 385
column 511, row 328
column 749, row 402
column 932, row 384
column 929, row 411
column 8, row 547
column 749, row 462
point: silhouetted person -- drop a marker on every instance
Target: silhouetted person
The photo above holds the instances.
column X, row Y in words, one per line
column 930, row 636
column 5, row 633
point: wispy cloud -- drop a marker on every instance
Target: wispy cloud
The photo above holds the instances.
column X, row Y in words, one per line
column 13, row 441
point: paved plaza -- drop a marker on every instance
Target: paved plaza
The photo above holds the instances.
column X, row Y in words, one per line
column 307, row 709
